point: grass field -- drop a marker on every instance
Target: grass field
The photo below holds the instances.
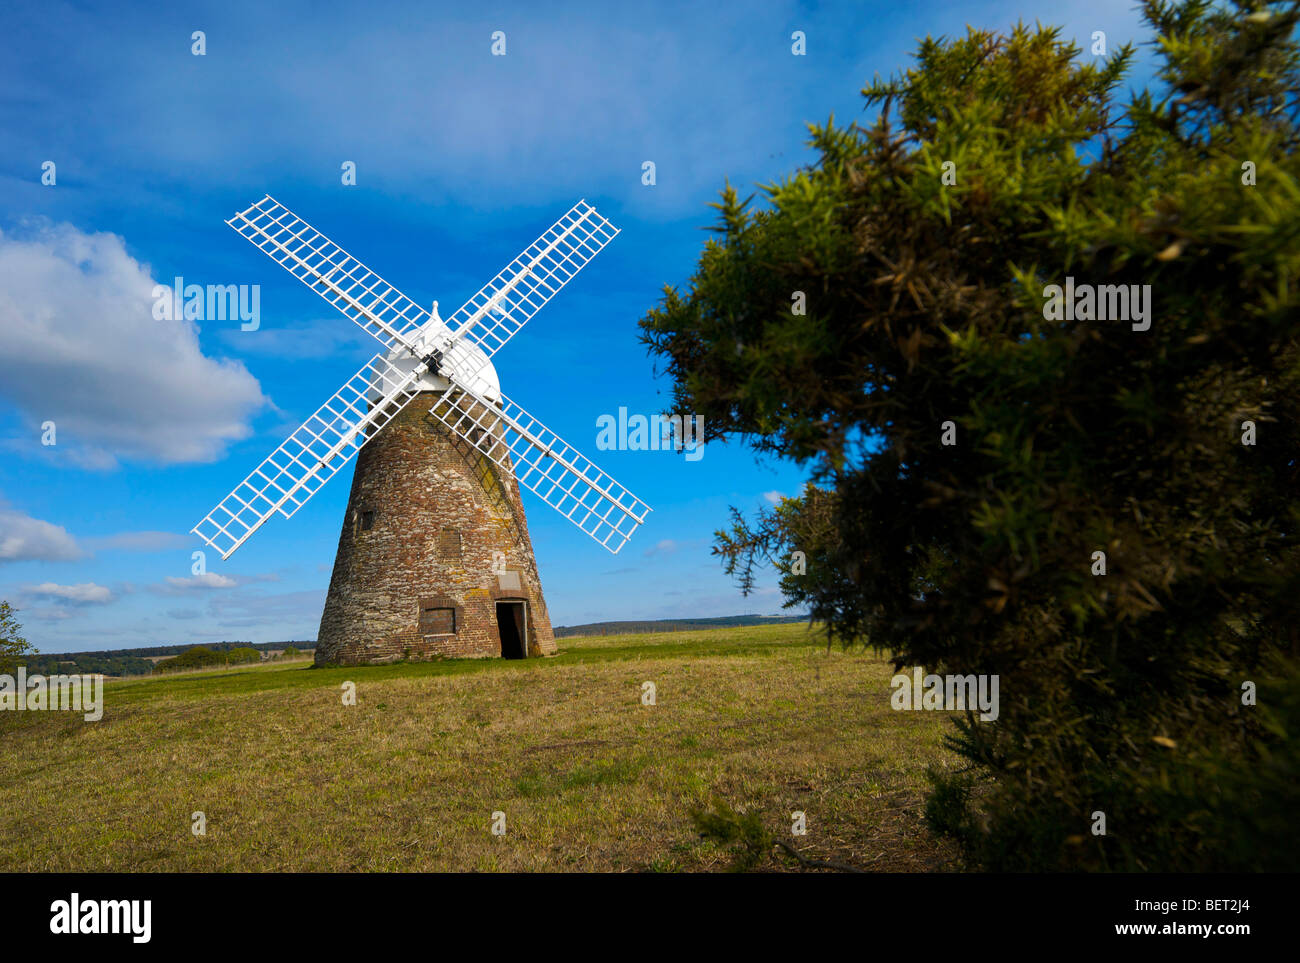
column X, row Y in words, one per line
column 289, row 778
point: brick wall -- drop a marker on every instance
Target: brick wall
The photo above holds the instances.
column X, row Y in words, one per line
column 437, row 511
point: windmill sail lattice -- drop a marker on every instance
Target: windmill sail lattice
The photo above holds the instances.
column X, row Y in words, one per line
column 311, row 456
column 453, row 353
column 522, row 288
column 543, row 462
column 359, row 293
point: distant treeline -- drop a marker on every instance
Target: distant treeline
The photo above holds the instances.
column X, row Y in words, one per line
column 673, row 625
column 202, row 657
column 180, row 647
column 86, row 663
column 133, row 662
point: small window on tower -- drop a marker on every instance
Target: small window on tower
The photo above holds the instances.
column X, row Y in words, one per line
column 449, row 543
column 365, row 521
column 437, row 621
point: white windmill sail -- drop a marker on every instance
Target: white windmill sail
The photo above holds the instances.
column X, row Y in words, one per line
column 496, row 313
column 312, row 455
column 545, row 463
column 506, row 303
column 359, row 293
column 425, row 353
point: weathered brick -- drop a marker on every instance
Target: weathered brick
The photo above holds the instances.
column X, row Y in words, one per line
column 423, row 486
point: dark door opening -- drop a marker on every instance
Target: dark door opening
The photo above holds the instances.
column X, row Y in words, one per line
column 513, row 630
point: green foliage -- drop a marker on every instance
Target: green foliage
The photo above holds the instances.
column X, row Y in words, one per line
column 290, row 652
column 750, row 843
column 742, row 833
column 12, row 644
column 1245, row 802
column 200, row 657
column 243, row 655
column 92, row 663
column 925, row 305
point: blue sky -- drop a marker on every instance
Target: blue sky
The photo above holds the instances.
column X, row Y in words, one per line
column 462, row 159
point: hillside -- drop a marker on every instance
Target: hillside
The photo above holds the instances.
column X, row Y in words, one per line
column 673, row 625
column 765, row 718
column 141, row 661
column 136, row 661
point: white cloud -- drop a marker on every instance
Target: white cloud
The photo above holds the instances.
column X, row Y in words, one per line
column 774, row 497
column 86, row 593
column 664, row 547
column 79, row 346
column 208, row 580
column 26, row 539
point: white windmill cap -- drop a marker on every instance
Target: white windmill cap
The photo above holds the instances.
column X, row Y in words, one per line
column 467, row 362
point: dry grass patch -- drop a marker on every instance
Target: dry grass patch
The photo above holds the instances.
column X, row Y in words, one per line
column 589, row 779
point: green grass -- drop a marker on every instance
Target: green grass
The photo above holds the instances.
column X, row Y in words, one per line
column 765, row 718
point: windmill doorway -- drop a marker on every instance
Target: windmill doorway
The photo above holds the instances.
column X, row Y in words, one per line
column 512, row 626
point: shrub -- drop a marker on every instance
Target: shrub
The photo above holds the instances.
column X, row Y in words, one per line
column 923, row 247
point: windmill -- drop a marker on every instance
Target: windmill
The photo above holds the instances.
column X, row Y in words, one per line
column 434, row 557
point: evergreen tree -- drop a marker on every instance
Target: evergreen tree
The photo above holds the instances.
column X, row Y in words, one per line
column 982, row 452
column 12, row 644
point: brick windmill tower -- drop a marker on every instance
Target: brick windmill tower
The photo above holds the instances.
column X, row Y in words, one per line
column 434, row 557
